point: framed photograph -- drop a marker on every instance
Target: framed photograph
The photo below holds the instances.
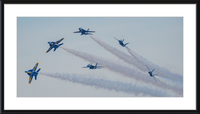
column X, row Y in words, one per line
column 79, row 57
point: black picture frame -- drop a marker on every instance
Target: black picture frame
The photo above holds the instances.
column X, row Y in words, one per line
column 197, row 2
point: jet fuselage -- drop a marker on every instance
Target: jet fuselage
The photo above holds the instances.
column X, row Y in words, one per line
column 121, row 43
column 53, row 44
column 150, row 73
column 91, row 66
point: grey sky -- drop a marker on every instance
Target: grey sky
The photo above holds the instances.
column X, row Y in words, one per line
column 158, row 39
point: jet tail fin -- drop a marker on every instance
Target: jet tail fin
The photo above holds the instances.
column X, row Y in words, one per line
column 96, row 64
column 37, row 74
column 60, row 44
column 54, row 49
column 38, row 70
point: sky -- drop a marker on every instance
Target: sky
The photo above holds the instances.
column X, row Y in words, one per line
column 157, row 39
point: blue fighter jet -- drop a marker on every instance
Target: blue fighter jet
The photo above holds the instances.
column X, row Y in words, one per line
column 33, row 72
column 84, row 32
column 54, row 45
column 151, row 73
column 121, row 42
column 90, row 66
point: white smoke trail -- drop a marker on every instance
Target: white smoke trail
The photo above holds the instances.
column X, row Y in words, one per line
column 128, row 59
column 113, row 85
column 159, row 70
column 136, row 61
column 132, row 73
column 168, row 81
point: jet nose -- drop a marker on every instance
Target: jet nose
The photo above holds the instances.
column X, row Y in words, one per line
column 48, row 42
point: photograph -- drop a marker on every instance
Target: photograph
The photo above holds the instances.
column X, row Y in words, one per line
column 99, row 56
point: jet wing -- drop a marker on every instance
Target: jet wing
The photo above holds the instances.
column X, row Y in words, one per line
column 30, row 79
column 29, row 72
column 49, row 49
column 59, row 40
column 116, row 38
column 147, row 67
column 127, row 48
column 77, row 32
column 154, row 79
column 90, row 31
column 34, row 68
column 100, row 67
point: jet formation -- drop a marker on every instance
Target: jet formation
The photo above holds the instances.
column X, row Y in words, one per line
column 55, row 45
column 33, row 72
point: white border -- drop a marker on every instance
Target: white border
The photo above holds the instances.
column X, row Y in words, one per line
column 12, row 11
